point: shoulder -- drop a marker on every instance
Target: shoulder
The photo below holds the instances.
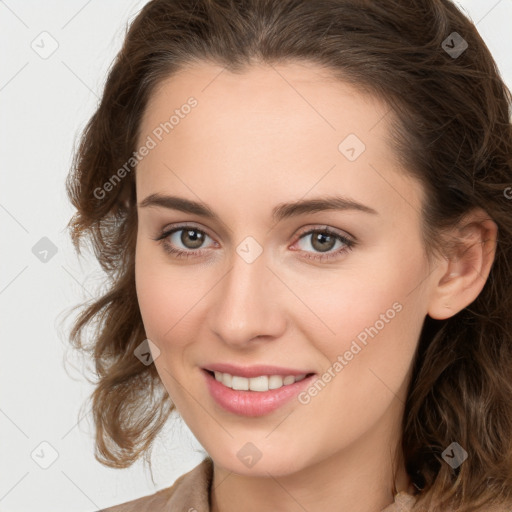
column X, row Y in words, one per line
column 189, row 493
column 405, row 502
column 501, row 507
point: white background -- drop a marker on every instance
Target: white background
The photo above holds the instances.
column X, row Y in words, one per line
column 44, row 105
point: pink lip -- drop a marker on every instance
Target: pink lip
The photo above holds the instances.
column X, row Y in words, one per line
column 254, row 371
column 253, row 403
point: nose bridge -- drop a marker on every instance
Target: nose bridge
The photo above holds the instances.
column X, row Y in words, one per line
column 243, row 310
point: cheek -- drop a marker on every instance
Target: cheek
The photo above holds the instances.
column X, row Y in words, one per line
column 165, row 305
column 162, row 304
column 170, row 297
column 377, row 304
column 159, row 293
column 367, row 360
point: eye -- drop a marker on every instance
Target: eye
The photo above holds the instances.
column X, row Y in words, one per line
column 324, row 239
column 189, row 237
column 185, row 241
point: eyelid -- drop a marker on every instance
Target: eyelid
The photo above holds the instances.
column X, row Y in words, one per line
column 327, row 228
column 345, row 238
column 162, row 233
column 178, row 226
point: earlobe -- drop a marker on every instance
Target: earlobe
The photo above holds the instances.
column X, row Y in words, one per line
column 467, row 267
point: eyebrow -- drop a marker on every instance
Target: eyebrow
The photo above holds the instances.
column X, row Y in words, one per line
column 280, row 212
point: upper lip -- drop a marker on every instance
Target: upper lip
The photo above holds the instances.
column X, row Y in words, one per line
column 254, row 371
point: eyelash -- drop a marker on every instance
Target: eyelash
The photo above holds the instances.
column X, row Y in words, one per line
column 178, row 253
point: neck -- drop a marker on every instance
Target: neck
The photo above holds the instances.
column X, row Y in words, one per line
column 358, row 478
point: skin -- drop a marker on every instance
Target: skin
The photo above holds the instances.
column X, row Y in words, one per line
column 255, row 140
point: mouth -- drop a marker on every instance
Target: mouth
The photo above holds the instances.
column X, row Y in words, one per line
column 254, row 396
column 260, row 383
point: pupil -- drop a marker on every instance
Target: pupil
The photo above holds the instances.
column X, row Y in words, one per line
column 193, row 235
column 321, row 238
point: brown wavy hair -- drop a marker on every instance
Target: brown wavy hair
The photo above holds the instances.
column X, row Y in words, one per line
column 450, row 119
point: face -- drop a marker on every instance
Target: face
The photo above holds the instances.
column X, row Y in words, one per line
column 337, row 292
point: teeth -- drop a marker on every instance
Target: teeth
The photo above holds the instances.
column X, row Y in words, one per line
column 226, row 379
column 261, row 383
column 275, row 381
column 258, row 383
column 240, row 383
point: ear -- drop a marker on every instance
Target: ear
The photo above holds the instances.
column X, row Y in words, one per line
column 466, row 266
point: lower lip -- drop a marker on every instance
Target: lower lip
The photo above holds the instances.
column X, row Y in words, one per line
column 253, row 403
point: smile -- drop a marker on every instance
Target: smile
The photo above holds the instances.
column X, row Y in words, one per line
column 261, row 383
column 254, row 396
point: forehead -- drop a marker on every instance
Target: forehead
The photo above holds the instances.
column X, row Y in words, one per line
column 294, row 127
column 285, row 92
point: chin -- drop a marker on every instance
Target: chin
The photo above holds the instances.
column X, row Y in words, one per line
column 271, row 462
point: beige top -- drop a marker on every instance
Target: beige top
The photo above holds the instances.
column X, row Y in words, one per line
column 191, row 493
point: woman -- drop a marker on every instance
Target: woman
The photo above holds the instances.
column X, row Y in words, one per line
column 303, row 211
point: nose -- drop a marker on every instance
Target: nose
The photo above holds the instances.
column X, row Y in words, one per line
column 247, row 304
